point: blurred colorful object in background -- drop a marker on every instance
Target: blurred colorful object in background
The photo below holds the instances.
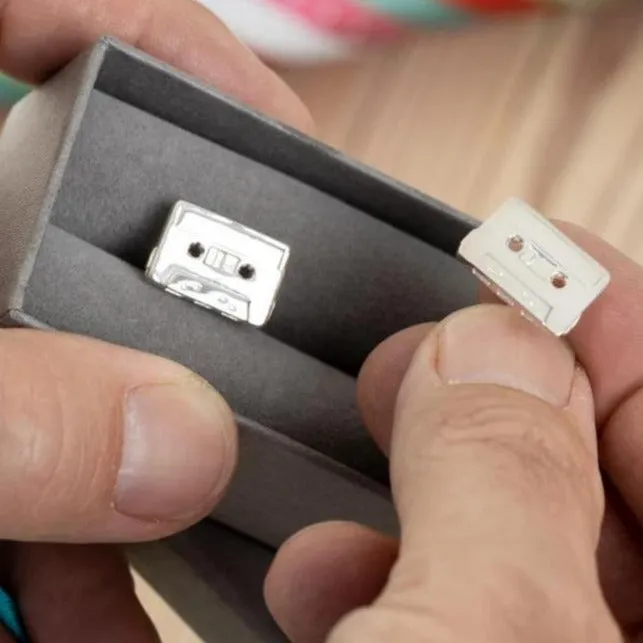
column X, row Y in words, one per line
column 314, row 31
column 303, row 32
column 10, row 92
column 317, row 31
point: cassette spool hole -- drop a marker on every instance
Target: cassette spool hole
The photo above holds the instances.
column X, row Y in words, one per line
column 247, row 272
column 196, row 250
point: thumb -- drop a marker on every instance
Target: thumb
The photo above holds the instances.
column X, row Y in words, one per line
column 102, row 443
column 495, row 476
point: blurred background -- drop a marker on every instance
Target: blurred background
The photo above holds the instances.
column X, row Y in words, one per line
column 475, row 100
column 471, row 101
column 547, row 108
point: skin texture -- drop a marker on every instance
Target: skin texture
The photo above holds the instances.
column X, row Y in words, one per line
column 108, row 445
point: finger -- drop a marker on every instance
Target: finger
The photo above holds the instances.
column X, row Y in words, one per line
column 78, row 593
column 620, row 554
column 609, row 343
column 40, row 36
column 609, row 337
column 322, row 574
column 104, row 443
column 496, row 483
column 302, row 587
column 381, row 377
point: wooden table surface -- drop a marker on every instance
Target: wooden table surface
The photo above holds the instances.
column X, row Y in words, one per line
column 547, row 110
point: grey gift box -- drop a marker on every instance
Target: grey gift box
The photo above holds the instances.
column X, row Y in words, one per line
column 92, row 163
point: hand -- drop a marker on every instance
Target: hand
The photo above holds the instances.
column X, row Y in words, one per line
column 506, row 536
column 99, row 443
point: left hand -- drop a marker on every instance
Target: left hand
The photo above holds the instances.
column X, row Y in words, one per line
column 63, row 416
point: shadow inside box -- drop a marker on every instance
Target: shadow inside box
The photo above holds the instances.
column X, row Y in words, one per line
column 228, row 605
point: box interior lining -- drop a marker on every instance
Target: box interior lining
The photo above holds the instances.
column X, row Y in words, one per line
column 352, row 280
column 153, row 87
column 369, row 256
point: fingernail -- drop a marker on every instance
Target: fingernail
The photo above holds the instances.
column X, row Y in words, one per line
column 177, row 451
column 495, row 345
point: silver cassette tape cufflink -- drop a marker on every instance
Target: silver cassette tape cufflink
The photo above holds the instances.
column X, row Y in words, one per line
column 531, row 264
column 227, row 267
column 219, row 264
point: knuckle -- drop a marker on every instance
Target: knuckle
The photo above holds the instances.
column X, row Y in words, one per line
column 496, row 415
column 521, row 434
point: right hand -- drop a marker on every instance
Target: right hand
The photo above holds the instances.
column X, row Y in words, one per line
column 492, row 432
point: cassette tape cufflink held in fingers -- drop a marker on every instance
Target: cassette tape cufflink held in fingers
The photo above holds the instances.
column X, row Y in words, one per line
column 219, row 264
column 531, row 264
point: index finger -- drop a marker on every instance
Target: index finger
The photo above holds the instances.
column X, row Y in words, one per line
column 609, row 338
column 609, row 343
column 38, row 37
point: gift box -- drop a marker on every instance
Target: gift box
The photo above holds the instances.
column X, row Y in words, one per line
column 93, row 162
